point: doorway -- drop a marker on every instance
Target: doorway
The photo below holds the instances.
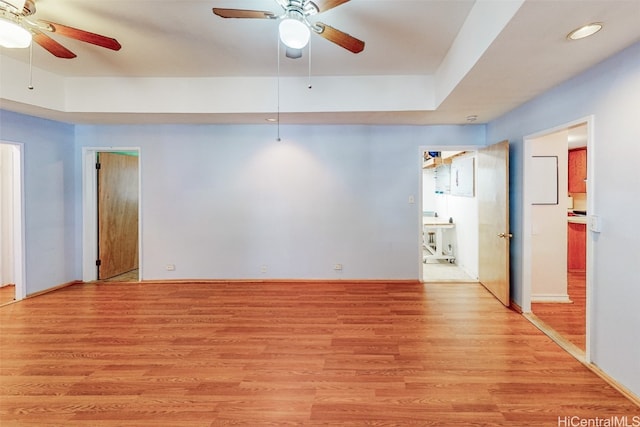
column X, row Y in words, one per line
column 111, row 226
column 12, row 269
column 449, row 235
column 555, row 297
column 477, row 180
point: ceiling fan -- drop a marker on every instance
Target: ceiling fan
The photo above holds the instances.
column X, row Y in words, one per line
column 295, row 27
column 18, row 30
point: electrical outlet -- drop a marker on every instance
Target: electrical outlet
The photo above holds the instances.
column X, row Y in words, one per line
column 263, row 268
column 337, row 267
column 171, row 267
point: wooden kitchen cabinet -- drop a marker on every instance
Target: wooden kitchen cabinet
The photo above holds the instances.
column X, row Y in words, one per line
column 578, row 170
column 576, row 247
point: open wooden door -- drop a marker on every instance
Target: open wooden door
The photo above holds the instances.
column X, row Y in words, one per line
column 117, row 214
column 493, row 213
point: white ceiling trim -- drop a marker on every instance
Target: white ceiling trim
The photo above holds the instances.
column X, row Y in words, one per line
column 484, row 23
column 217, row 95
column 249, row 94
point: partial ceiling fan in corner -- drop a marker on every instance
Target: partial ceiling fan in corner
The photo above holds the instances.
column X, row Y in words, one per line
column 295, row 27
column 18, row 30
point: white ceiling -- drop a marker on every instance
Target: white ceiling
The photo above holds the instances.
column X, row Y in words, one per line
column 517, row 56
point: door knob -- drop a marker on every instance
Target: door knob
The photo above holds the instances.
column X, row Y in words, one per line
column 503, row 235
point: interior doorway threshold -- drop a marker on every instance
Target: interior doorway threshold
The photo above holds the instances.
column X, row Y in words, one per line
column 564, row 343
column 579, row 355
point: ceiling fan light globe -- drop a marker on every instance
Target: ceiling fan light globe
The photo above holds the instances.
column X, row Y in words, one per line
column 13, row 35
column 293, row 33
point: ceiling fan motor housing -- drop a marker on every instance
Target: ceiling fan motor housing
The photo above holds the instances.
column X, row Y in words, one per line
column 301, row 8
column 29, row 8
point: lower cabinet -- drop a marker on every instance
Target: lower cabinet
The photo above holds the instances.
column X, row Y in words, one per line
column 576, row 247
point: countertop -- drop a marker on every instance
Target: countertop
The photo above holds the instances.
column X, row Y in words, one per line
column 436, row 221
column 577, row 219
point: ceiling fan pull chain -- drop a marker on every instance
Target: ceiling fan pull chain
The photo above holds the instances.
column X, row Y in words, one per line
column 310, row 86
column 278, row 85
column 30, row 87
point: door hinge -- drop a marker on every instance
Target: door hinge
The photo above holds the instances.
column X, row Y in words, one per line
column 98, row 262
column 98, row 166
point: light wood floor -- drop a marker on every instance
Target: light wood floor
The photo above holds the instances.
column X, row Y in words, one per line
column 442, row 271
column 259, row 354
column 7, row 294
column 569, row 320
column 129, row 276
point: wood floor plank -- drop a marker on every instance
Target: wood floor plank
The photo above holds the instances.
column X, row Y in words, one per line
column 7, row 294
column 261, row 354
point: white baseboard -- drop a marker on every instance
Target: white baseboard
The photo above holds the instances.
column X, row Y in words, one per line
column 557, row 298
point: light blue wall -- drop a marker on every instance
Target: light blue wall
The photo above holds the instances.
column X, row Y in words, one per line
column 610, row 92
column 221, row 201
column 51, row 244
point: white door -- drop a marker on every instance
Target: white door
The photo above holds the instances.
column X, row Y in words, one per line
column 493, row 219
column 11, row 236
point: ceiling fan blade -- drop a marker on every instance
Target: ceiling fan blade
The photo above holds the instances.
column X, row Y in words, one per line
column 243, row 13
column 85, row 36
column 55, row 48
column 340, row 38
column 324, row 5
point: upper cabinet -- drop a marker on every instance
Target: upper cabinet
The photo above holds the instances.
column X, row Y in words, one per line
column 578, row 170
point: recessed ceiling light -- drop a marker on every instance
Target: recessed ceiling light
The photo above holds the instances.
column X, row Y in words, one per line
column 271, row 119
column 585, row 31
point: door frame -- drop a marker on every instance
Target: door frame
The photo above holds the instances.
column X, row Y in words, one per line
column 17, row 204
column 419, row 199
column 527, row 220
column 90, row 210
